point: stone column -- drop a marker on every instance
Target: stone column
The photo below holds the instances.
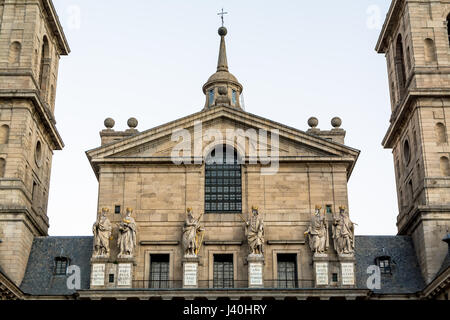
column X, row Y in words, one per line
column 190, row 271
column 255, row 270
column 321, row 270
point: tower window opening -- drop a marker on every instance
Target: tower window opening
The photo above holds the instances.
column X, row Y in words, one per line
column 233, row 97
column 441, row 135
column 211, row 97
column 44, row 68
column 408, row 58
column 448, row 28
column 400, row 64
column 38, row 153
column 2, row 167
column 445, row 166
column 411, row 190
column 4, row 134
column 406, row 152
column 14, row 53
column 430, row 50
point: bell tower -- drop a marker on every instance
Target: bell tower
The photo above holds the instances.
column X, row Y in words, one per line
column 31, row 43
column 415, row 41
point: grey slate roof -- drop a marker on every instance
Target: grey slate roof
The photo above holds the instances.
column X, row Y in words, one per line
column 39, row 278
column 406, row 276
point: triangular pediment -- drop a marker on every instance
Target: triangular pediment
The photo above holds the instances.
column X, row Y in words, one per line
column 245, row 131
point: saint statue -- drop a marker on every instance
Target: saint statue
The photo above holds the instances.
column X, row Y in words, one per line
column 192, row 231
column 254, row 230
column 317, row 232
column 127, row 235
column 343, row 233
column 102, row 233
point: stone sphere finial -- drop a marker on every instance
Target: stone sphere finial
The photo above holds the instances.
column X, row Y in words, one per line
column 222, row 31
column 222, row 90
column 132, row 123
column 313, row 122
column 109, row 123
column 336, row 122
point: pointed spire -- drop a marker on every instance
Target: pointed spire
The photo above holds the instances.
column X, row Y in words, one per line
column 222, row 64
column 222, row 88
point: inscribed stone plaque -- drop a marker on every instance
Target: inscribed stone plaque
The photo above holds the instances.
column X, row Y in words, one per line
column 124, row 274
column 190, row 274
column 256, row 274
column 98, row 274
column 321, row 273
column 348, row 274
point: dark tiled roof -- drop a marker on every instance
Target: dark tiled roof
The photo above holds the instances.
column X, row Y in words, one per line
column 39, row 278
column 406, row 276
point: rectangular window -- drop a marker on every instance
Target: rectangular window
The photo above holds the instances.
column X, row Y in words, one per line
column 328, row 208
column 411, row 190
column 223, row 276
column 111, row 278
column 159, row 271
column 287, row 270
column 117, row 209
column 223, row 186
column 33, row 191
column 233, row 97
column 334, row 277
column 385, row 265
column 61, row 265
column 211, row 97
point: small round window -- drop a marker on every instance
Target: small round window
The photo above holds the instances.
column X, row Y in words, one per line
column 38, row 153
column 406, row 152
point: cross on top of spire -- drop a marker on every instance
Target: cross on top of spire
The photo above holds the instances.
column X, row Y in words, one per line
column 221, row 14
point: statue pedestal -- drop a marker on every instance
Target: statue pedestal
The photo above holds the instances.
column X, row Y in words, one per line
column 98, row 271
column 125, row 272
column 255, row 270
column 190, row 271
column 108, row 274
column 321, row 270
column 347, row 267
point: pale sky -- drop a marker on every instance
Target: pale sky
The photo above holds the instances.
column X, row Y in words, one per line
column 149, row 59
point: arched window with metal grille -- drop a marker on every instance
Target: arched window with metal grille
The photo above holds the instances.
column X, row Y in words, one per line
column 223, row 183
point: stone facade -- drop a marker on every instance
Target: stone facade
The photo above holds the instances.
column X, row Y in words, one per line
column 140, row 174
column 415, row 42
column 295, row 180
column 31, row 43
